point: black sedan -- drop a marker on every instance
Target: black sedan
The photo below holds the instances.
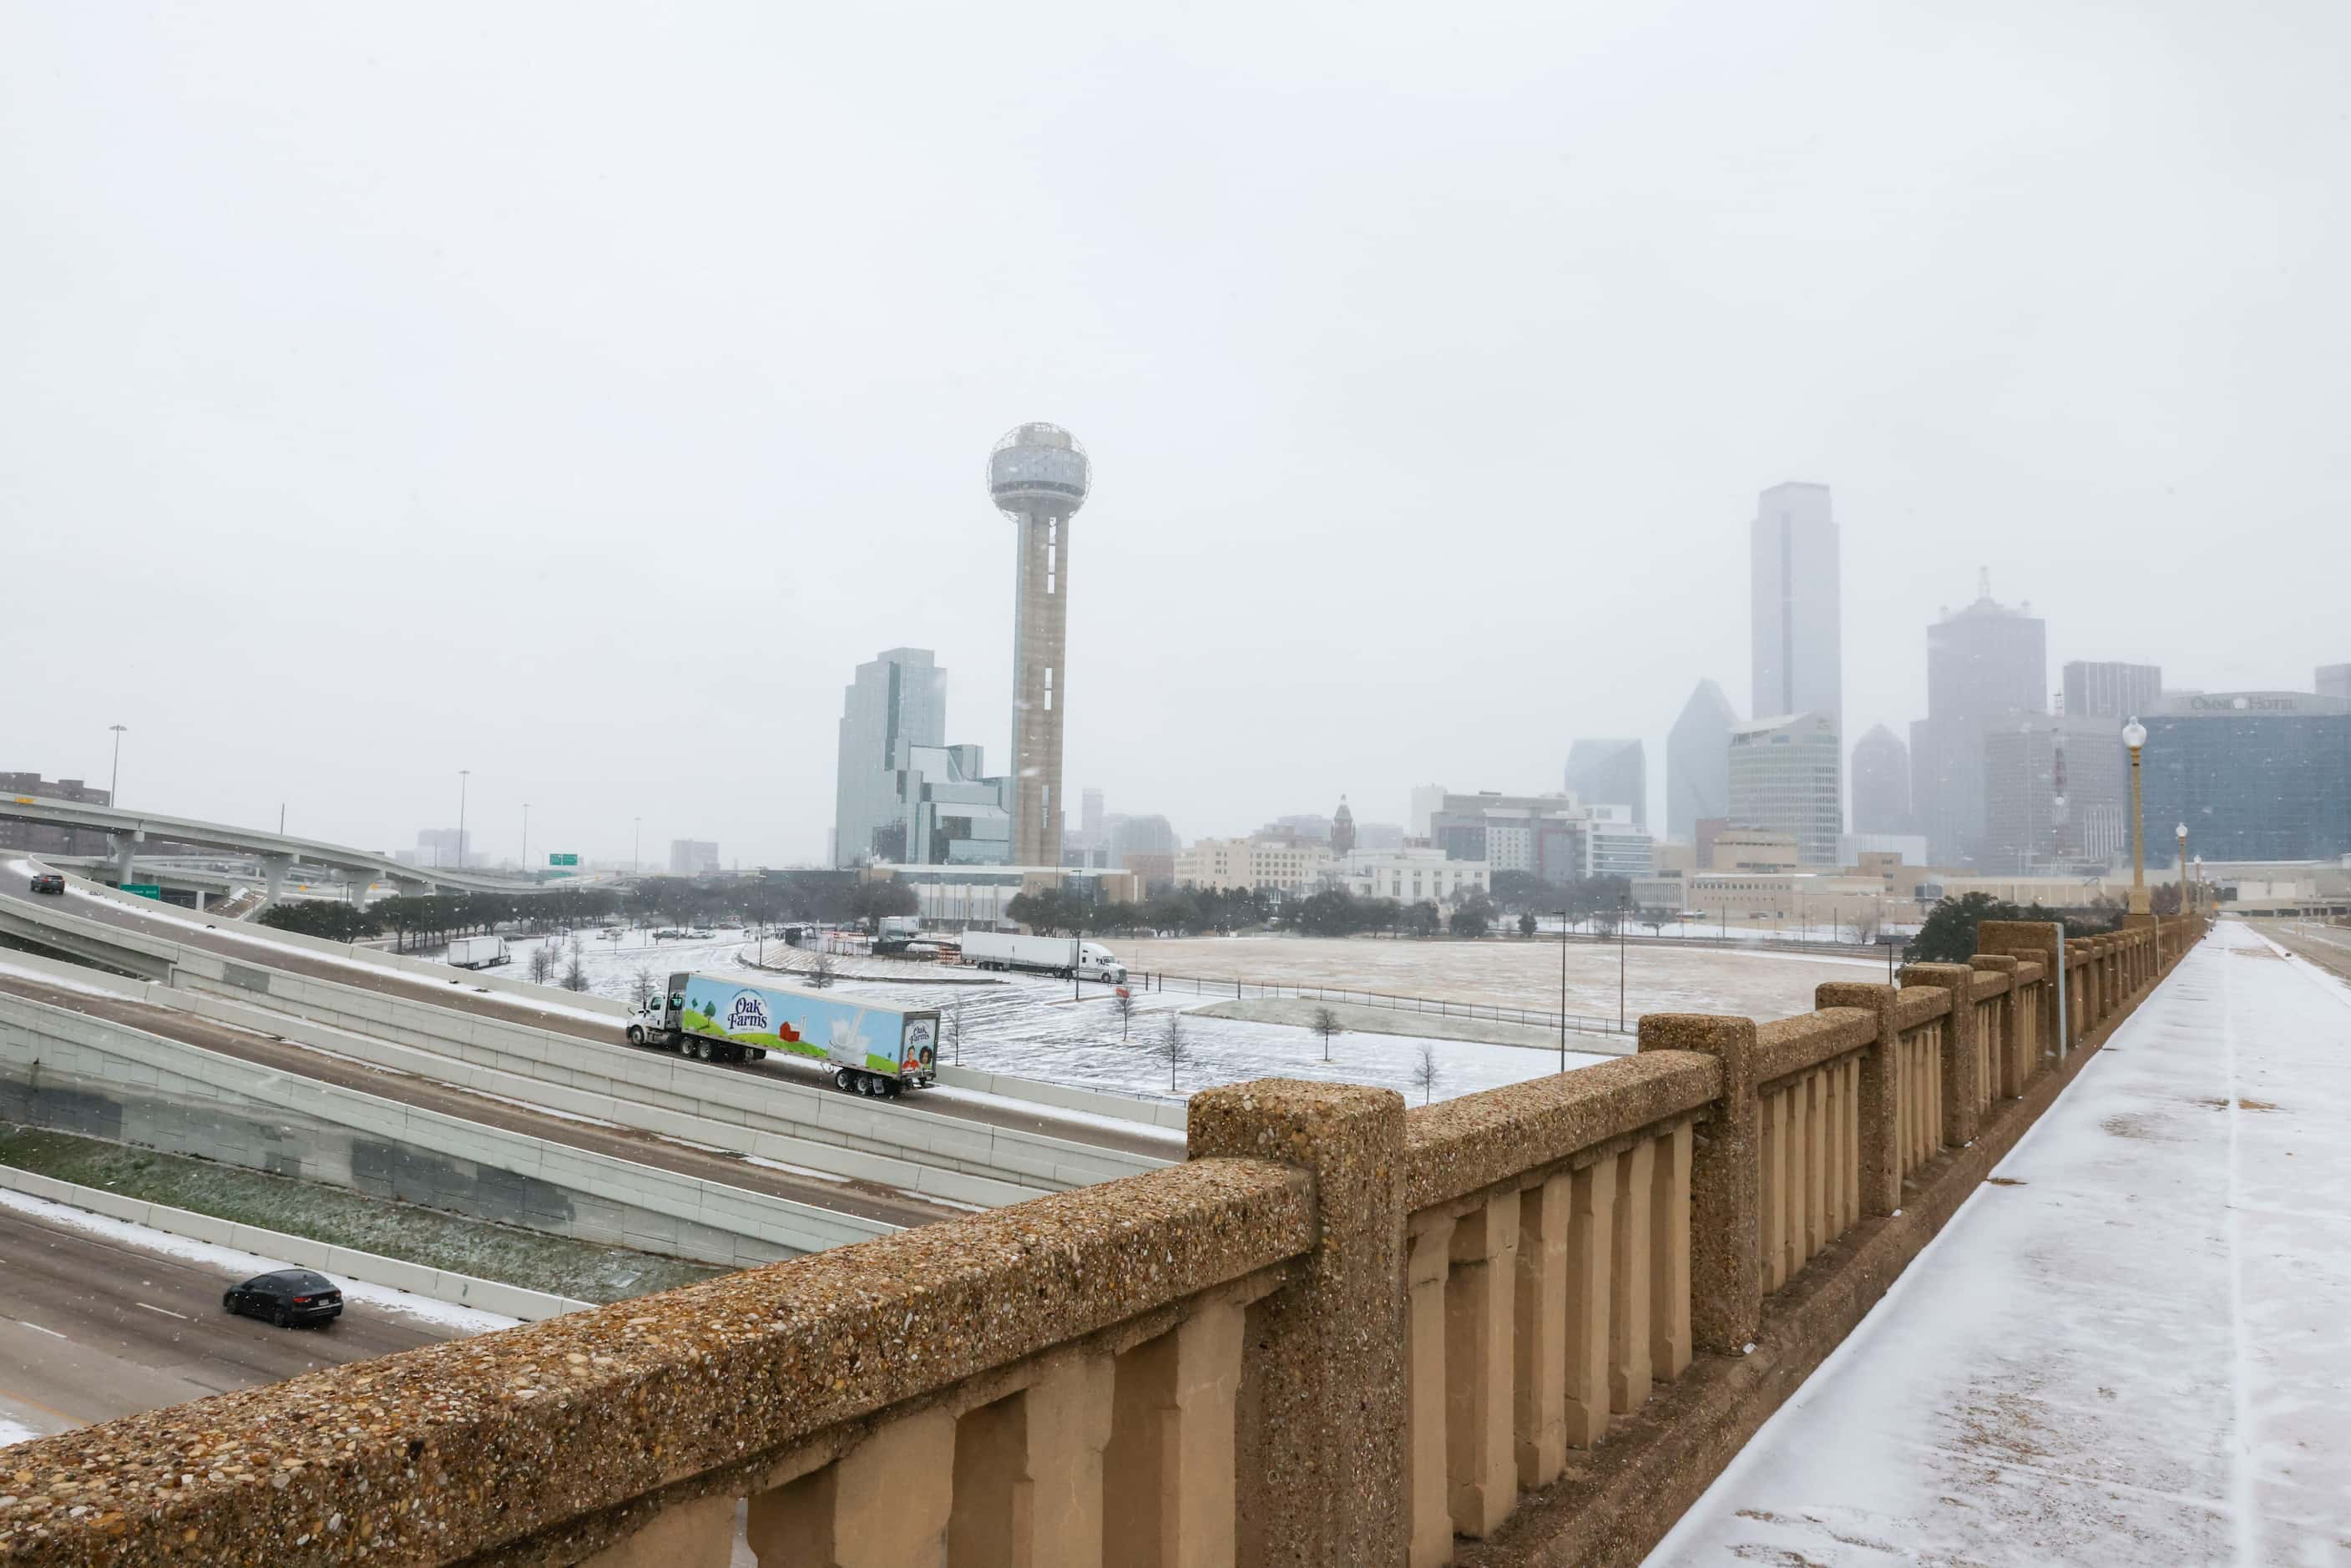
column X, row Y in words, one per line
column 50, row 883
column 287, row 1296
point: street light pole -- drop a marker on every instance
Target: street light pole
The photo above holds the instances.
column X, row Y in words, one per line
column 2182, row 832
column 1623, row 915
column 525, row 838
column 1563, row 990
column 464, row 774
column 2135, row 736
column 636, row 841
column 114, row 773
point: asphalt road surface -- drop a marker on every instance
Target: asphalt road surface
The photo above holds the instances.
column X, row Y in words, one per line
column 92, row 1329
column 870, row 1200
column 190, row 931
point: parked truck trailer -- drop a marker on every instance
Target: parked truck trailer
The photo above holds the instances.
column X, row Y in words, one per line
column 872, row 1047
column 1062, row 955
column 477, row 952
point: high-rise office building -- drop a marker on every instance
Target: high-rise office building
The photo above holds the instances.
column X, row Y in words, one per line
column 2116, row 691
column 692, row 857
column 1986, row 664
column 1784, row 776
column 1796, row 627
column 896, row 701
column 1881, row 782
column 2333, row 680
column 1427, row 799
column 2057, row 795
column 1090, row 817
column 1610, row 773
column 2256, row 776
column 1698, row 762
column 1038, row 476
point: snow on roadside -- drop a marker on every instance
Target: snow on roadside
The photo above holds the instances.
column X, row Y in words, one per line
column 42, row 978
column 11, row 1433
column 234, row 1264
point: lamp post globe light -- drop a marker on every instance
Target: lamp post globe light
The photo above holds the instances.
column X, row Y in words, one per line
column 2182, row 832
column 2135, row 736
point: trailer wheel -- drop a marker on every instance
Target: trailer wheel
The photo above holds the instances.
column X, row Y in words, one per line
column 758, row 1054
column 841, row 1078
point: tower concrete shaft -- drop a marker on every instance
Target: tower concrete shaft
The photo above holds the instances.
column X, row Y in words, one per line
column 1040, row 695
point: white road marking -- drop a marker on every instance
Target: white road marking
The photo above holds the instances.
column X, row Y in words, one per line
column 166, row 1311
column 38, row 1328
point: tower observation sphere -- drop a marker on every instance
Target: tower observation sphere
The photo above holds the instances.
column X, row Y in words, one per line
column 1038, row 476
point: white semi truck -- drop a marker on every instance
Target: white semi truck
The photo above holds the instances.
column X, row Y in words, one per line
column 477, row 952
column 874, row 1047
column 1062, row 955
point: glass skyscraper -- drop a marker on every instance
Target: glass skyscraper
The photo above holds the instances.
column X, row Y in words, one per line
column 2256, row 776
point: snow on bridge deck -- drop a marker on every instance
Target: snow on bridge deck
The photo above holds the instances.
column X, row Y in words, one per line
column 2135, row 1353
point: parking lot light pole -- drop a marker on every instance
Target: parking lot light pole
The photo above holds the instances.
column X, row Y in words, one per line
column 464, row 775
column 114, row 773
column 1563, row 990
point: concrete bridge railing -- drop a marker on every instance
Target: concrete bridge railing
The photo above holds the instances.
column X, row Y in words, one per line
column 1531, row 1324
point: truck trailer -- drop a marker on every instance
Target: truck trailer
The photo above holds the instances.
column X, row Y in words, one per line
column 874, row 1047
column 1062, row 955
column 477, row 952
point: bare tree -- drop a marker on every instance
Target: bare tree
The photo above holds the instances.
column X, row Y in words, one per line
column 575, row 972
column 542, row 961
column 1426, row 1073
column 954, row 1029
column 641, row 986
column 1171, row 1046
column 820, row 972
column 1123, row 1002
column 1327, row 1028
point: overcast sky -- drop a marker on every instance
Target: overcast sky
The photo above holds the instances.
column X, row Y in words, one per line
column 576, row 393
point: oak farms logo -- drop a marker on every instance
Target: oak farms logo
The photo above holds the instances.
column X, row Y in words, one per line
column 748, row 1014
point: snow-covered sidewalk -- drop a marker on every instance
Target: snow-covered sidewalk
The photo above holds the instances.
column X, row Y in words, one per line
column 2132, row 1348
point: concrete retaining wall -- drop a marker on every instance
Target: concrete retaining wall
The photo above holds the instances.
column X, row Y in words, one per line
column 64, row 1069
column 344, row 1262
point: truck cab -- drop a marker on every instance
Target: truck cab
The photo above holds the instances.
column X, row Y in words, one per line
column 1096, row 962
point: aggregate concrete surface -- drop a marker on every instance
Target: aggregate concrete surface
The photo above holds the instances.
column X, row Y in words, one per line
column 91, row 1329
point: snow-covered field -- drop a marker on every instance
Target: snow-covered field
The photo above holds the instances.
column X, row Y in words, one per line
column 1658, row 979
column 1030, row 1026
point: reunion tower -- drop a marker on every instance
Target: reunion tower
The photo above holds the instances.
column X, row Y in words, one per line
column 1037, row 476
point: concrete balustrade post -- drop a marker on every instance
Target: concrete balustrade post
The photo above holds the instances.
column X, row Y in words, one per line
column 1167, row 1471
column 1960, row 1074
column 859, row 1512
column 1057, row 1511
column 697, row 1534
column 1325, row 1356
column 2043, row 943
column 1539, row 1332
column 2008, row 1073
column 1726, row 1211
column 1427, row 1268
column 1670, row 1258
column 1591, row 1247
column 1628, row 1281
column 1881, row 1149
column 1480, row 1303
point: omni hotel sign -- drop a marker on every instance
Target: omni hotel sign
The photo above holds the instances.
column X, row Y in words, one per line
column 2218, row 703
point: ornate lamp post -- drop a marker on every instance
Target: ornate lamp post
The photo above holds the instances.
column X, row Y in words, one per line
column 2135, row 736
column 2182, row 832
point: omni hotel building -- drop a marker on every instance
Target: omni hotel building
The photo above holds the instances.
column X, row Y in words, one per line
column 2256, row 776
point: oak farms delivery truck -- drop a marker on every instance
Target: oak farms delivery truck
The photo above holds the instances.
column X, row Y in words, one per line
column 874, row 1048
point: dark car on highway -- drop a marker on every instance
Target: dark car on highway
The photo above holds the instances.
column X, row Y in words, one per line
column 49, row 882
column 287, row 1296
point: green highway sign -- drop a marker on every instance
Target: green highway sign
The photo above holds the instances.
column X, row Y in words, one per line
column 563, row 860
column 144, row 889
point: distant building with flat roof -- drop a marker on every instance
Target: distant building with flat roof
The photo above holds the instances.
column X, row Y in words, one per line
column 692, row 857
column 2111, row 690
column 1784, row 776
column 2256, row 776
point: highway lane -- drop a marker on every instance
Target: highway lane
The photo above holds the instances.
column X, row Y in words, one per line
column 491, row 1004
column 870, row 1200
column 91, row 1329
column 2328, row 947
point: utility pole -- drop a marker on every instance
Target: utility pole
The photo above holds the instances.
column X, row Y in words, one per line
column 464, row 774
column 114, row 773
